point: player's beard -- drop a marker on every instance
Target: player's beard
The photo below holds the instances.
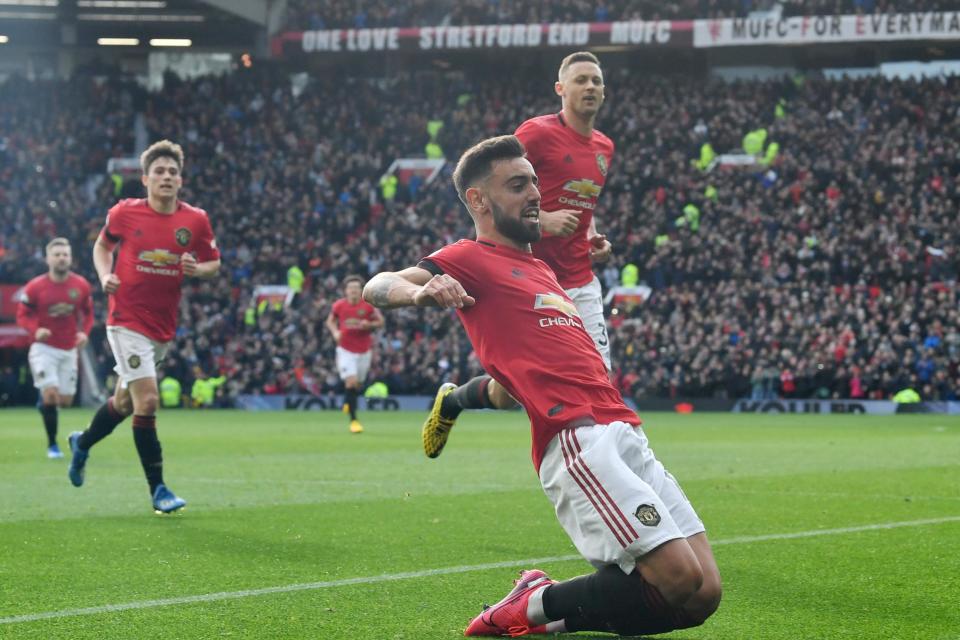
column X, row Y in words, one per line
column 517, row 229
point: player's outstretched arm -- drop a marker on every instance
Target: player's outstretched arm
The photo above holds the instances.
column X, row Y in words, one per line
column 415, row 287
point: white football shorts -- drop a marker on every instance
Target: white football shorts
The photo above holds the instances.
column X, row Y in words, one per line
column 351, row 364
column 137, row 355
column 589, row 302
column 612, row 496
column 52, row 367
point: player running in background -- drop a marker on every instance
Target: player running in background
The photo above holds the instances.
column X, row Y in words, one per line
column 352, row 322
column 624, row 512
column 571, row 159
column 56, row 309
column 161, row 239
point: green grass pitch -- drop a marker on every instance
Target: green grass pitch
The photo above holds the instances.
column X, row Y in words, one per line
column 824, row 527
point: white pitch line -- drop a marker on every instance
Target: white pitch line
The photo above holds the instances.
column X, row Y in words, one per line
column 830, row 532
column 391, row 577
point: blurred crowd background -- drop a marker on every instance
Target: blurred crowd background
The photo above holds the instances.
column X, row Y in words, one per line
column 827, row 269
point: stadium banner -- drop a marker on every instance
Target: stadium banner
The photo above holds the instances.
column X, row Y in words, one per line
column 635, row 33
column 772, row 30
column 680, row 405
column 783, row 405
column 13, row 337
column 306, row 402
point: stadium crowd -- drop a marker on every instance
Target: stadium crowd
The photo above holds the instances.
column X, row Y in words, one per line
column 360, row 14
column 831, row 271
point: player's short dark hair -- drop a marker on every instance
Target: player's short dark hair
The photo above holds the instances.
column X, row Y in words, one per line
column 353, row 278
column 58, row 242
column 579, row 56
column 476, row 163
column 161, row 149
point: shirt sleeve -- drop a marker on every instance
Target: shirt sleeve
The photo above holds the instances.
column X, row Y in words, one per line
column 527, row 133
column 457, row 261
column 206, row 244
column 27, row 316
column 431, row 266
column 112, row 230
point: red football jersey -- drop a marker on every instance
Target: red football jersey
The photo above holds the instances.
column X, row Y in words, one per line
column 353, row 338
column 148, row 263
column 62, row 307
column 572, row 170
column 528, row 336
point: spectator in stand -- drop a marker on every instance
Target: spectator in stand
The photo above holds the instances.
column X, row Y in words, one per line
column 846, row 260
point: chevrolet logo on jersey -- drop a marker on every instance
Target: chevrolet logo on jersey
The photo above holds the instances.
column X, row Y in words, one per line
column 159, row 257
column 557, row 302
column 583, row 188
column 60, row 310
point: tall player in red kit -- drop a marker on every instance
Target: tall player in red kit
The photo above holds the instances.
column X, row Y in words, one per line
column 56, row 309
column 624, row 512
column 161, row 240
column 352, row 322
column 571, row 159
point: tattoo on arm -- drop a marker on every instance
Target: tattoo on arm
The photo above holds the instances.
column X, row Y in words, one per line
column 377, row 291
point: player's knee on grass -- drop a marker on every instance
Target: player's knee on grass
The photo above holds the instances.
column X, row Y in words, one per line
column 626, row 604
column 674, row 570
column 640, row 608
column 682, row 585
column 706, row 600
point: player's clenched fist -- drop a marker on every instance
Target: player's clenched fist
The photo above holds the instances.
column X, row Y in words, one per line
column 600, row 248
column 110, row 283
column 444, row 292
column 188, row 263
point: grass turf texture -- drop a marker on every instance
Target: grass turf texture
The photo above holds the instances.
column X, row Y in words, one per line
column 278, row 499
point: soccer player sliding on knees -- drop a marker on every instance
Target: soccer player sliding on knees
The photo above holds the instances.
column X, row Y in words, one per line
column 627, row 516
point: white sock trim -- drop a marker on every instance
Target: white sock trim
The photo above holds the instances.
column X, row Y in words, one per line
column 535, row 613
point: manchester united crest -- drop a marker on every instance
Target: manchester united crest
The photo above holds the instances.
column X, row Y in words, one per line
column 602, row 164
column 183, row 236
column 134, row 361
column 73, row 294
column 647, row 515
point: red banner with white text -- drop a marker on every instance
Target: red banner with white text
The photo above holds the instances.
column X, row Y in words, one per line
column 733, row 32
